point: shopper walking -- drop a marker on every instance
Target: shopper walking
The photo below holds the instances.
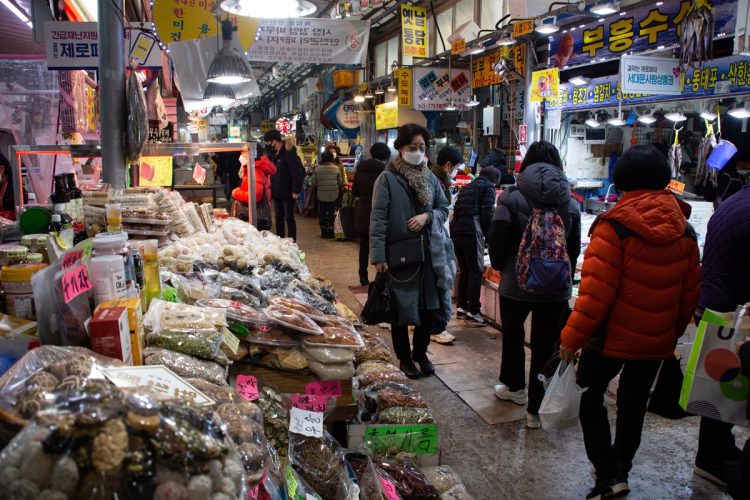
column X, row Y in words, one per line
column 449, row 159
column 469, row 229
column 286, row 185
column 624, row 320
column 725, row 283
column 364, row 181
column 264, row 169
column 407, row 200
column 540, row 184
column 328, row 183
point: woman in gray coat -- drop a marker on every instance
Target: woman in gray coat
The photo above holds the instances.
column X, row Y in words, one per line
column 407, row 200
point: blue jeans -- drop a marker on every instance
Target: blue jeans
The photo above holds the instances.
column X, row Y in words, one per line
column 327, row 214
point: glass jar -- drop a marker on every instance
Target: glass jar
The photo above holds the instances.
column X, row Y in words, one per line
column 19, row 295
column 36, row 243
column 12, row 254
column 117, row 244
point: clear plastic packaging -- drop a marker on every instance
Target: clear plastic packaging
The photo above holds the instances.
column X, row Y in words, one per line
column 318, row 462
column 275, row 419
column 374, row 350
column 175, row 317
column 335, row 336
column 458, row 492
column 203, row 344
column 331, row 371
column 273, row 337
column 186, row 366
column 406, row 416
column 409, row 480
column 285, row 358
column 301, row 306
column 368, row 399
column 240, row 317
column 328, row 354
column 385, row 375
column 376, row 365
column 190, row 289
column 296, row 487
column 367, row 478
column 292, row 319
column 442, row 477
column 123, row 445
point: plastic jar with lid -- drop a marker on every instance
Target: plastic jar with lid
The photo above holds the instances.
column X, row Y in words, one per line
column 36, row 243
column 108, row 277
column 19, row 295
column 117, row 244
column 12, row 254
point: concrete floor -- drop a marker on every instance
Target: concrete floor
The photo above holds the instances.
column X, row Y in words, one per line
column 508, row 461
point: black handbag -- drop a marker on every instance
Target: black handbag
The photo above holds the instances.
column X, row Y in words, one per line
column 406, row 252
column 378, row 308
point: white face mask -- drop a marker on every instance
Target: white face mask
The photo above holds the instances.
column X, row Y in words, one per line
column 413, row 157
column 243, row 160
column 458, row 168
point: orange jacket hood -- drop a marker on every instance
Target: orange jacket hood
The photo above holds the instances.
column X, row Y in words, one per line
column 656, row 216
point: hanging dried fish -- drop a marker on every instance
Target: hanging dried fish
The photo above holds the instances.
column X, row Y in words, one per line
column 675, row 154
column 137, row 130
column 697, row 32
column 705, row 176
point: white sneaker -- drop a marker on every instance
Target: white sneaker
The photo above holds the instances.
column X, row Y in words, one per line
column 518, row 397
column 532, row 421
column 477, row 319
column 443, row 338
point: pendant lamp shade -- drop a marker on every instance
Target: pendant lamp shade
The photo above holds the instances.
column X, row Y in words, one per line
column 229, row 67
column 218, row 94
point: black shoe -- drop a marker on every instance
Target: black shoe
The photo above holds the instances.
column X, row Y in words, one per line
column 409, row 368
column 364, row 281
column 425, row 365
column 475, row 319
column 601, row 490
column 323, row 233
column 716, row 472
column 460, row 313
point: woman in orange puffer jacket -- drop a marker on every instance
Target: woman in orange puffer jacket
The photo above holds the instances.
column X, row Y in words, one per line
column 638, row 291
column 264, row 169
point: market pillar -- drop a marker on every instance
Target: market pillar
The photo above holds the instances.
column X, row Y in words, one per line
column 112, row 91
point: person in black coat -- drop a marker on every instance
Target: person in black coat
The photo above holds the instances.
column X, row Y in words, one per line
column 286, row 185
column 364, row 181
column 472, row 217
column 739, row 479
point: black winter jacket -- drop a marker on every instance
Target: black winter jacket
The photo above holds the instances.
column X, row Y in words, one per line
column 476, row 199
column 289, row 177
column 364, row 183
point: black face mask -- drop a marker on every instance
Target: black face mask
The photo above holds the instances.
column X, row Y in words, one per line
column 270, row 149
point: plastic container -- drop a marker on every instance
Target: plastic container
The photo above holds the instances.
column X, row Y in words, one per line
column 151, row 278
column 318, row 340
column 19, row 295
column 241, row 318
column 108, row 278
column 720, row 156
column 117, row 244
column 13, row 254
column 114, row 217
column 35, row 258
column 36, row 243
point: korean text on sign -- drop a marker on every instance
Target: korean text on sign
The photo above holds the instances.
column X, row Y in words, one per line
column 414, row 30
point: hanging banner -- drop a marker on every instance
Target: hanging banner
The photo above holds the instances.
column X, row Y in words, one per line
column 435, row 88
column 650, row 75
column 386, row 115
column 728, row 75
column 544, row 85
column 635, row 30
column 483, row 72
column 71, row 45
column 404, row 87
column 180, row 20
column 321, row 41
column 414, row 35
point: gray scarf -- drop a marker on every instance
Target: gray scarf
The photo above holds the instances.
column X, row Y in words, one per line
column 417, row 177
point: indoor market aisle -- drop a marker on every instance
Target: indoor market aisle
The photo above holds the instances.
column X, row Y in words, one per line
column 506, row 460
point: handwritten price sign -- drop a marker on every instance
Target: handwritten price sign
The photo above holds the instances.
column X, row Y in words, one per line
column 307, row 423
column 329, row 388
column 411, row 438
column 75, row 282
column 310, row 403
column 71, row 258
column 247, row 386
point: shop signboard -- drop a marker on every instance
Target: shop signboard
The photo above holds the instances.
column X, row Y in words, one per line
column 180, row 20
column 304, row 40
column 435, row 88
column 483, row 72
column 458, row 46
column 71, row 45
column 155, row 171
column 348, row 115
column 650, row 26
column 404, row 76
column 650, row 75
column 386, row 115
column 143, row 45
column 544, row 85
column 414, row 35
column 523, row 134
column 523, row 27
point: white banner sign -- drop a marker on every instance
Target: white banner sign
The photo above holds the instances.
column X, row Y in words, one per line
column 326, row 41
column 72, row 45
column 650, row 75
column 434, row 88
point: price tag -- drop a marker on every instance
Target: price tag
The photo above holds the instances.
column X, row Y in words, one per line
column 420, row 439
column 310, row 403
column 307, row 423
column 247, row 386
column 389, row 489
column 330, row 388
column 71, row 258
column 676, row 186
column 75, row 282
column 87, row 246
column 232, row 342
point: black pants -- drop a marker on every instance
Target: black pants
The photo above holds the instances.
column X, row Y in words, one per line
column 364, row 256
column 546, row 323
column 421, row 339
column 470, row 278
column 595, row 371
column 284, row 209
column 326, row 215
column 716, row 442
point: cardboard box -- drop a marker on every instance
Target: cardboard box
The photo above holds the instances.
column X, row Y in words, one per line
column 109, row 331
column 135, row 320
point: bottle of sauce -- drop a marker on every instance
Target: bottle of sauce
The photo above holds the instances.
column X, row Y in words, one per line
column 76, row 208
column 151, row 278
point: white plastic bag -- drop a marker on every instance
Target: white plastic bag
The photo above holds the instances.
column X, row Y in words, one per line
column 559, row 409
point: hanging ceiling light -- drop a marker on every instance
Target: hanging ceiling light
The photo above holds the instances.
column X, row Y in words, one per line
column 229, row 67
column 675, row 116
column 391, row 87
column 268, row 10
column 617, row 121
column 605, row 8
column 451, row 106
column 476, row 48
column 740, row 111
column 708, row 115
column 647, row 119
column 473, row 101
column 506, row 38
column 591, row 120
column 547, row 25
column 379, row 91
column 358, row 97
column 369, row 94
column 463, row 125
column 578, row 80
column 218, row 95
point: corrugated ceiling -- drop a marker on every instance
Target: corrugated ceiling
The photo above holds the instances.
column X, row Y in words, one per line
column 15, row 36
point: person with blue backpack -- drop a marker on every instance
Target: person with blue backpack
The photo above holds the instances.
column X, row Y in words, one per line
column 534, row 240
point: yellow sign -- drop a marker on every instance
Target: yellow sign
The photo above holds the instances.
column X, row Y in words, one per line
column 676, row 186
column 523, row 27
column 178, row 21
column 458, row 46
column 544, row 85
column 404, row 87
column 155, row 171
column 386, row 115
column 483, row 72
column 414, row 30
column 519, row 58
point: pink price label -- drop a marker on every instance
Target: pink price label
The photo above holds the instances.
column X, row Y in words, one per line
column 247, row 386
column 310, row 403
column 75, row 282
column 329, row 388
column 389, row 489
column 71, row 258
